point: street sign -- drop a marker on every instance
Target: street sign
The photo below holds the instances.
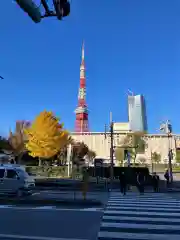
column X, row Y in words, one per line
column 98, row 162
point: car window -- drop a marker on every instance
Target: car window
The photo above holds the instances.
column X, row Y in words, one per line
column 11, row 173
column 2, row 173
column 22, row 173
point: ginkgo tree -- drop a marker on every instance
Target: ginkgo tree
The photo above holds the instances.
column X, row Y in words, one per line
column 46, row 136
column 17, row 140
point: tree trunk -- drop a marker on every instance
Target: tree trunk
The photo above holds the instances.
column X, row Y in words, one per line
column 40, row 162
column 19, row 157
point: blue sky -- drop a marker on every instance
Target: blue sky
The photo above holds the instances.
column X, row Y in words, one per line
column 129, row 44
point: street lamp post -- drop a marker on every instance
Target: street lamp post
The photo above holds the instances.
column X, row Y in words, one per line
column 170, row 156
column 167, row 129
column 112, row 153
column 111, row 150
column 152, row 151
column 152, row 163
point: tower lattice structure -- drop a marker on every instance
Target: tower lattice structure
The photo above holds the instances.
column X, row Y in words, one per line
column 81, row 123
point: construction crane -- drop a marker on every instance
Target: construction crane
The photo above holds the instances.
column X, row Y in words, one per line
column 61, row 9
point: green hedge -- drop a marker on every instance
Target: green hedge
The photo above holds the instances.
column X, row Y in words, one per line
column 62, row 171
column 47, row 171
column 51, row 171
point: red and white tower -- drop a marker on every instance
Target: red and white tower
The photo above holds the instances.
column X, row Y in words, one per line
column 81, row 124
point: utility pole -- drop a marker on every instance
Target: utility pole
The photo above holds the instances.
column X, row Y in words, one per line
column 112, row 150
column 112, row 154
column 170, row 153
column 151, row 157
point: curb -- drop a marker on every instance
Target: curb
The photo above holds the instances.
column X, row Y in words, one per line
column 59, row 189
column 51, row 208
column 64, row 202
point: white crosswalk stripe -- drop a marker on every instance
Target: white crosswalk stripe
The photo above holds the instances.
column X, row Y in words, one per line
column 50, row 208
column 152, row 216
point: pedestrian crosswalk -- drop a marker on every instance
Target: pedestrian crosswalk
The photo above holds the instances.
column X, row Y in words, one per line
column 152, row 216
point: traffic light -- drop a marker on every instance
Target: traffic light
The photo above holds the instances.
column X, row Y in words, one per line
column 62, row 8
column 31, row 9
column 125, row 153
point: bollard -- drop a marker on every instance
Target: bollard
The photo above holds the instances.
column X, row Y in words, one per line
column 84, row 189
column 85, row 182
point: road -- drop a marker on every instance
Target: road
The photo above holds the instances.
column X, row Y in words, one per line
column 153, row 216
column 101, row 196
column 52, row 222
column 48, row 224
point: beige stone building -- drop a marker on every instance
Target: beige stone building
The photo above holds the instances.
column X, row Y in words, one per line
column 100, row 142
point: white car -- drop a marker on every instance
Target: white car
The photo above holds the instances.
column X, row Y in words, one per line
column 15, row 180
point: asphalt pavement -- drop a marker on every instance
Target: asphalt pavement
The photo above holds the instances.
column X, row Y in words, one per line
column 53, row 194
column 119, row 219
column 50, row 222
column 51, row 200
column 49, row 225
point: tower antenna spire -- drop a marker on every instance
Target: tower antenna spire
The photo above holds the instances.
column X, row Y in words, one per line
column 83, row 51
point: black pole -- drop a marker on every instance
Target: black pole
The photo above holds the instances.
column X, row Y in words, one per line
column 170, row 159
column 105, row 130
column 45, row 5
column 152, row 164
column 128, row 159
column 112, row 155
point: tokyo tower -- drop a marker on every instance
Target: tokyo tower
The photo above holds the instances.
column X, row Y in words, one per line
column 81, row 123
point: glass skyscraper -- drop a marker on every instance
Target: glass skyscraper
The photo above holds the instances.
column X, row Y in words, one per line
column 137, row 113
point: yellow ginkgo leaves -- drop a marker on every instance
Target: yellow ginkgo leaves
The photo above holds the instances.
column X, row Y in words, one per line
column 46, row 136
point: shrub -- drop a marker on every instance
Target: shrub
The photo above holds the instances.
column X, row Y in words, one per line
column 51, row 171
column 47, row 171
